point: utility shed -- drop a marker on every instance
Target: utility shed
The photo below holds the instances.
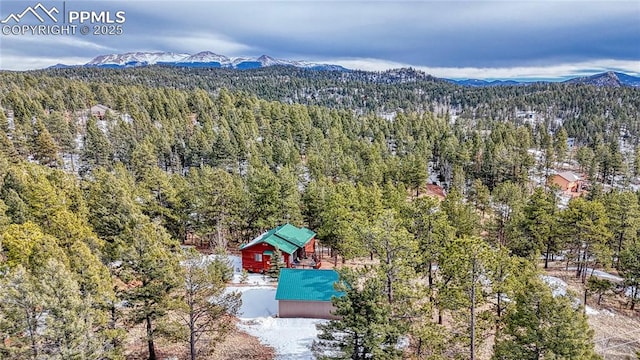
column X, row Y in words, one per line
column 306, row 293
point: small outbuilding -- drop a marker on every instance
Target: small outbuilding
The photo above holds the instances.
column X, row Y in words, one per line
column 295, row 244
column 304, row 293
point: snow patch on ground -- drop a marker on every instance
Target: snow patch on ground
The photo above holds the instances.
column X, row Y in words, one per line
column 252, row 279
column 256, row 302
column 600, row 274
column 557, row 285
column 291, row 338
column 591, row 311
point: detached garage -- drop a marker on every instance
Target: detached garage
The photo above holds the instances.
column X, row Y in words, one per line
column 306, row 293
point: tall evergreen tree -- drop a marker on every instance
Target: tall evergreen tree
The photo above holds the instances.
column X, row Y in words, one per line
column 463, row 264
column 96, row 151
column 153, row 272
column 630, row 268
column 624, row 220
column 540, row 326
column 205, row 309
column 540, row 227
column 584, row 224
column 365, row 328
column 45, row 150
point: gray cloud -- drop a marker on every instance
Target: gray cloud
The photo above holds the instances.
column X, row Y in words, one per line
column 429, row 34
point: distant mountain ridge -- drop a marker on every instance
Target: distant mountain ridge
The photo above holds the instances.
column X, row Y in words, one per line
column 208, row 59
column 608, row 79
column 201, row 59
column 478, row 83
column 605, row 79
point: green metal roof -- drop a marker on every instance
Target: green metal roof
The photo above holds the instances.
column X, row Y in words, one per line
column 297, row 236
column 287, row 238
column 307, row 285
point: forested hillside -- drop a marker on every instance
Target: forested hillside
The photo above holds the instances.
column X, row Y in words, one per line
column 93, row 206
column 588, row 111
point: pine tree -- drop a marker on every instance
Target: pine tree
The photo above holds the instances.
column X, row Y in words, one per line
column 219, row 202
column 44, row 314
column 585, row 157
column 365, row 328
column 539, row 225
column 584, row 224
column 630, row 268
column 479, row 196
column 507, row 203
column 394, row 246
column 62, row 132
column 152, row 271
column 540, row 326
column 560, row 144
column 45, row 150
column 7, row 149
column 206, row 310
column 463, row 264
column 429, row 226
column 624, row 220
column 598, row 286
column 275, row 264
column 22, row 309
column 264, row 193
column 636, row 161
column 415, row 172
column 4, row 122
column 460, row 214
column 97, row 150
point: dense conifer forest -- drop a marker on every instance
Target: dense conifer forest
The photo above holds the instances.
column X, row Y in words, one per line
column 94, row 205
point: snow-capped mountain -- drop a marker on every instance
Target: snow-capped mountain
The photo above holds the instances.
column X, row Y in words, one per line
column 136, row 59
column 201, row 59
column 206, row 57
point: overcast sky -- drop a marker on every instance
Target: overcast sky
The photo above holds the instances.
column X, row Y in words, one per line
column 455, row 39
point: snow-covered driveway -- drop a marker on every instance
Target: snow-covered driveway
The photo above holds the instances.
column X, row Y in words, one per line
column 291, row 338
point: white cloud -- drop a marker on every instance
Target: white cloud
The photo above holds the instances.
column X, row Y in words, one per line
column 15, row 42
column 558, row 71
column 19, row 63
column 194, row 43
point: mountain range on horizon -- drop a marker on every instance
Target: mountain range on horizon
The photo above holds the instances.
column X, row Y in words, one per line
column 208, row 59
column 204, row 59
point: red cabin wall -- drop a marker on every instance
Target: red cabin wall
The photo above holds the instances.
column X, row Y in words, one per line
column 287, row 260
column 310, row 247
column 248, row 256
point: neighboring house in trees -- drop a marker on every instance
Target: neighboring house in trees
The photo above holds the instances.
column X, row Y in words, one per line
column 99, row 111
column 294, row 243
column 306, row 293
column 567, row 181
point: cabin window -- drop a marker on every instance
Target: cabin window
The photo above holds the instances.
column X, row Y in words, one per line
column 257, row 257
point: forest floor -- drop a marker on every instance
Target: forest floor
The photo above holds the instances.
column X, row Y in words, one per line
column 261, row 336
column 616, row 327
column 237, row 345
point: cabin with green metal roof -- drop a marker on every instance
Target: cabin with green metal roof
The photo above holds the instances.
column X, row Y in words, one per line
column 294, row 243
column 306, row 293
